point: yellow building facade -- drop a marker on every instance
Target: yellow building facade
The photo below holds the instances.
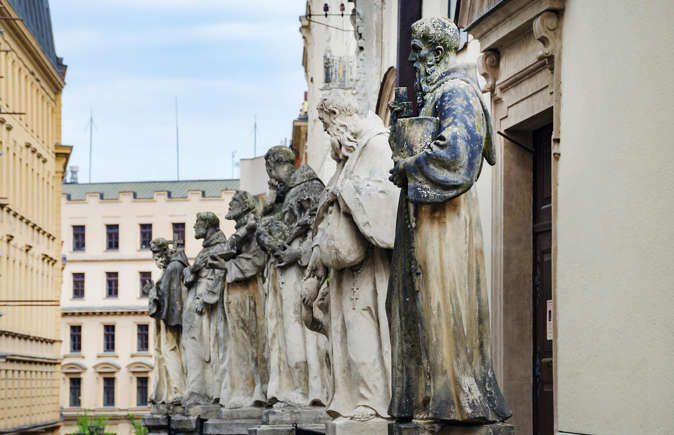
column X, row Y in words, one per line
column 32, row 166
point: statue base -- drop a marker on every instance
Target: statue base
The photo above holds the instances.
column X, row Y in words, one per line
column 423, row 428
column 345, row 426
column 234, row 421
column 291, row 420
column 156, row 424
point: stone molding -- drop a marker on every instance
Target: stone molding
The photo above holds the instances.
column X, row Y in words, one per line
column 547, row 28
column 488, row 67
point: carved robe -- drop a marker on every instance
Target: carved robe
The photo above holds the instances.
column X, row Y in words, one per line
column 166, row 305
column 365, row 201
column 245, row 382
column 298, row 367
column 205, row 336
column 438, row 302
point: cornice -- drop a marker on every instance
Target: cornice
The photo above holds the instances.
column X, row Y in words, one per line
column 20, row 335
column 103, row 311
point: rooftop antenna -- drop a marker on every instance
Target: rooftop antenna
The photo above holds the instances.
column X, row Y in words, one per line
column 177, row 145
column 255, row 136
column 233, row 163
column 91, row 139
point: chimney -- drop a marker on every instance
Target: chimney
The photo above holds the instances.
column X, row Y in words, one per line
column 73, row 174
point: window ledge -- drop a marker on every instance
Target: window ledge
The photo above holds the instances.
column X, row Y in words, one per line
column 141, row 354
column 74, row 355
column 107, row 355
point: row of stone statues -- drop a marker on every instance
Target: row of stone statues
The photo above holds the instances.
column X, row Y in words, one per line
column 366, row 295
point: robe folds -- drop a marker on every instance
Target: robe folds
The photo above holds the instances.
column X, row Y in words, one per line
column 168, row 378
column 246, row 377
column 438, row 300
column 358, row 328
column 298, row 357
column 205, row 336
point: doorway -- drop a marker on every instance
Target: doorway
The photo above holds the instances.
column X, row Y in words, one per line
column 543, row 423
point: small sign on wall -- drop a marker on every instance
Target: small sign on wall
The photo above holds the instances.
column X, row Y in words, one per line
column 548, row 318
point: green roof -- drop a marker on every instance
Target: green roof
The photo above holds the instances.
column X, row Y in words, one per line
column 147, row 189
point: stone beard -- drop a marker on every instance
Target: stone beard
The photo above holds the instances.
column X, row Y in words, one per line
column 165, row 306
column 353, row 235
column 205, row 331
column 298, row 370
column 246, row 377
column 437, row 300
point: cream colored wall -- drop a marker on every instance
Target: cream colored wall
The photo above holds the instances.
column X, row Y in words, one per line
column 615, row 346
column 129, row 308
column 317, row 39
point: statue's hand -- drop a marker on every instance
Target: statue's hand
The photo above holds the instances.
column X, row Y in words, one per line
column 315, row 267
column 217, row 262
column 198, row 306
column 287, row 256
column 398, row 173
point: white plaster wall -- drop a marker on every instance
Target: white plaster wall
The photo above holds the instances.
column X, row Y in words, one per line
column 615, row 280
column 253, row 177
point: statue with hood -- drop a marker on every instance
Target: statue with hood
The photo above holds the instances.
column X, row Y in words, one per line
column 298, row 368
column 246, row 377
column 353, row 237
column 166, row 307
column 438, row 299
column 205, row 337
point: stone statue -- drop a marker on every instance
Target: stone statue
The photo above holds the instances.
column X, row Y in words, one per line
column 166, row 307
column 245, row 382
column 205, row 335
column 438, row 303
column 298, row 369
column 353, row 235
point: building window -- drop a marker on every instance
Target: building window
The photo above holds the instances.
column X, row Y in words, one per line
column 108, row 391
column 111, row 284
column 143, row 336
column 145, row 277
column 112, row 237
column 141, row 391
column 75, row 338
column 108, row 338
column 179, row 234
column 75, row 392
column 78, row 237
column 78, row 285
column 145, row 236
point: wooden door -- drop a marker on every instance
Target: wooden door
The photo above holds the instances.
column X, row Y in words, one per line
column 542, row 288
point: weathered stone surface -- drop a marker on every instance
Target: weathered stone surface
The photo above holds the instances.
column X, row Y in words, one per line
column 440, row 429
column 249, row 413
column 155, row 420
column 184, row 424
column 295, row 415
column 345, row 426
column 287, row 429
column 229, row 427
column 204, row 411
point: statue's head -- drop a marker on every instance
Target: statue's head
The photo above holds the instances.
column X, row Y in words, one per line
column 338, row 111
column 242, row 202
column 160, row 252
column 279, row 164
column 433, row 45
column 206, row 223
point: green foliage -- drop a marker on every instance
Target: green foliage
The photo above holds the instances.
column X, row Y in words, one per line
column 138, row 428
column 84, row 421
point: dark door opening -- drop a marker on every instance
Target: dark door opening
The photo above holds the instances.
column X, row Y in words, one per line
column 542, row 289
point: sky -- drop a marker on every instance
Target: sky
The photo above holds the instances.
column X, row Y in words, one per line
column 226, row 61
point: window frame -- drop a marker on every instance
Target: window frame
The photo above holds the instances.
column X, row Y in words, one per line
column 145, row 335
column 70, row 392
column 142, row 282
column 146, row 396
column 105, row 391
column 109, row 333
column 112, row 237
column 78, row 274
column 145, row 241
column 76, row 234
column 182, row 231
column 79, row 338
column 111, row 277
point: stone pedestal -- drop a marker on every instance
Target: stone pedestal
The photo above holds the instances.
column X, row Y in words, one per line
column 157, row 424
column 185, row 425
column 449, row 429
column 234, row 421
column 345, row 426
column 292, row 420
